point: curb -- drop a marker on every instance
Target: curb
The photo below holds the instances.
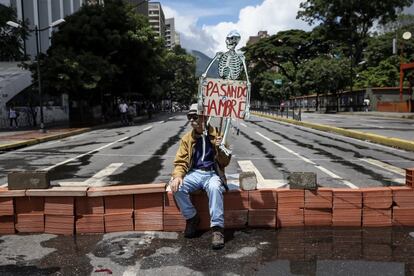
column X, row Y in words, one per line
column 378, row 139
column 43, row 139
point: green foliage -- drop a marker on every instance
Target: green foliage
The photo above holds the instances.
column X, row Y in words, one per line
column 323, row 75
column 11, row 48
column 385, row 74
column 178, row 75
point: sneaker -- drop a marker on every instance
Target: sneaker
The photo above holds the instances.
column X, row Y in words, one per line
column 218, row 238
column 191, row 227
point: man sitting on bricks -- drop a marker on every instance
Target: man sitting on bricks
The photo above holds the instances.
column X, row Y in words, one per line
column 199, row 164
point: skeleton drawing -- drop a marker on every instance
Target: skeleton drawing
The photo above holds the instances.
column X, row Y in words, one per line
column 230, row 66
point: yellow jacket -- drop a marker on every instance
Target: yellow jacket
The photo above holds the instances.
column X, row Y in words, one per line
column 183, row 159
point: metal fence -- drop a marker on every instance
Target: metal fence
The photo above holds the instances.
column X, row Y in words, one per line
column 289, row 113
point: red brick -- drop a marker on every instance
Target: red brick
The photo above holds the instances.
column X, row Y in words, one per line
column 410, row 172
column 174, row 222
column 30, row 204
column 262, row 218
column 59, row 205
column 346, row 217
column 59, row 224
column 90, row 223
column 409, row 182
column 376, row 217
column 236, row 200
column 290, row 198
column 148, row 220
column 347, row 198
column 200, row 201
column 30, row 223
column 319, row 199
column 287, row 217
column 403, row 196
column 149, row 202
column 118, row 222
column 169, row 203
column 130, row 189
column 6, row 206
column 318, row 217
column 89, row 206
column 119, row 204
column 403, row 216
column 7, row 225
column 235, row 218
column 377, row 198
column 263, row 199
column 204, row 220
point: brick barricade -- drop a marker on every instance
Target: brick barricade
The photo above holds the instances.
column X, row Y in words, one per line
column 149, row 207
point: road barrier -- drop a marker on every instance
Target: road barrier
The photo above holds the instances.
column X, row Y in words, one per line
column 148, row 207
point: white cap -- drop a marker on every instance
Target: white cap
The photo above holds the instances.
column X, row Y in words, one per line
column 193, row 109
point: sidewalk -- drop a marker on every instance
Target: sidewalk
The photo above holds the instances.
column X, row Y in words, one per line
column 392, row 115
column 15, row 138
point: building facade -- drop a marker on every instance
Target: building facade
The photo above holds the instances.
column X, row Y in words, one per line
column 42, row 13
column 156, row 19
column 170, row 33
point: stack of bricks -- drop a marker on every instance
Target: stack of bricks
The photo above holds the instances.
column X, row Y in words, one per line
column 290, row 204
column 403, row 205
column 347, row 207
column 7, row 212
column 236, row 208
column 318, row 207
column 200, row 202
column 377, row 204
column 59, row 207
column 148, row 212
column 30, row 214
column 409, row 177
column 90, row 215
column 262, row 208
column 119, row 211
column 173, row 220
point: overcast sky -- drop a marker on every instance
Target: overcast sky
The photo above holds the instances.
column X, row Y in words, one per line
column 204, row 24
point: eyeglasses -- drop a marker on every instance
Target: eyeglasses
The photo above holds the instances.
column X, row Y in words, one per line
column 193, row 117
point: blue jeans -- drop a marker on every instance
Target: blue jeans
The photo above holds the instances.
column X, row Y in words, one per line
column 211, row 183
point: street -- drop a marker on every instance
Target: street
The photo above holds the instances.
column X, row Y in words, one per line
column 144, row 153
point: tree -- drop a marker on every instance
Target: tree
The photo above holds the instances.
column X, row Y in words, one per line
column 178, row 76
column 11, row 46
column 350, row 21
column 385, row 74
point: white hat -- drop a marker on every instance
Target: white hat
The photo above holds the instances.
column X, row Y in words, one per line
column 194, row 109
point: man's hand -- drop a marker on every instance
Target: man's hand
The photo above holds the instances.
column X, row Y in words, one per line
column 175, row 183
column 218, row 140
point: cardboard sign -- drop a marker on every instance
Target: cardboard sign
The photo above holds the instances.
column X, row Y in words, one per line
column 225, row 98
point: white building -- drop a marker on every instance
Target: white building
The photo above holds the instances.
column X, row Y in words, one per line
column 156, row 18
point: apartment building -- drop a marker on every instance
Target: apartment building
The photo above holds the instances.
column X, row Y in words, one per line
column 170, row 33
column 156, row 18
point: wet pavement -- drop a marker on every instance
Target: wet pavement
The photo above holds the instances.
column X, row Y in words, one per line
column 288, row 251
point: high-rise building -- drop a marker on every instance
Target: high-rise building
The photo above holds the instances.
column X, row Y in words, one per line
column 170, row 33
column 156, row 18
column 42, row 13
column 141, row 6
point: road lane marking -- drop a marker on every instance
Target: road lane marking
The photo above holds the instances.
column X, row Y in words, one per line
column 384, row 166
column 326, row 171
column 341, row 137
column 97, row 180
column 262, row 183
column 371, row 126
column 89, row 152
column 161, row 122
column 243, row 124
column 170, row 118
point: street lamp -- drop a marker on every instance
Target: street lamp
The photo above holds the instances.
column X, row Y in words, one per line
column 37, row 33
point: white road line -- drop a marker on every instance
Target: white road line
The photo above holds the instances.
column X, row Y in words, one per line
column 84, row 154
column 337, row 135
column 247, row 165
column 161, row 122
column 371, row 126
column 328, row 172
column 147, row 128
column 97, row 179
column 170, row 118
column 262, row 183
column 243, row 124
column 384, row 166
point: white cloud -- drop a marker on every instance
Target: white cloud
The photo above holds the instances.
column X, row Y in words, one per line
column 272, row 16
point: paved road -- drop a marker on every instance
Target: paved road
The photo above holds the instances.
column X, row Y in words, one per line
column 303, row 251
column 389, row 127
column 144, row 153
